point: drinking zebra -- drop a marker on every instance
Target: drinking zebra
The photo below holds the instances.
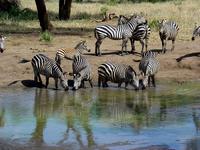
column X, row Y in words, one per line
column 2, row 40
column 121, row 32
column 141, row 33
column 196, row 32
column 148, row 67
column 48, row 67
column 79, row 48
column 117, row 73
column 168, row 31
column 81, row 67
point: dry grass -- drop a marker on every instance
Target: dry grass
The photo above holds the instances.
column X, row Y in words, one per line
column 185, row 13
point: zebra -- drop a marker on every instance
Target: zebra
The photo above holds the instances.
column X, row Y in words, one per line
column 121, row 32
column 81, row 67
column 2, row 40
column 79, row 48
column 117, row 73
column 148, row 67
column 168, row 31
column 196, row 32
column 141, row 33
column 49, row 68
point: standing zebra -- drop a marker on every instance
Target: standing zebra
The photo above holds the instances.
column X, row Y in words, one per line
column 149, row 67
column 121, row 32
column 141, row 33
column 168, row 31
column 48, row 67
column 2, row 40
column 79, row 48
column 117, row 73
column 196, row 32
column 81, row 67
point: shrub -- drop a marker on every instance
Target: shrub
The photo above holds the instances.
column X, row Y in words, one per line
column 46, row 36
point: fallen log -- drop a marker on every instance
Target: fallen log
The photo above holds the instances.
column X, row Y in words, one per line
column 196, row 54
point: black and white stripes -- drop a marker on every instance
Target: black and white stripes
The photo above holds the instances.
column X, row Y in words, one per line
column 48, row 67
column 117, row 73
column 141, row 33
column 196, row 32
column 123, row 32
column 148, row 67
column 168, row 31
column 81, row 67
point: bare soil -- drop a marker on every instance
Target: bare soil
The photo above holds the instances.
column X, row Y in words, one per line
column 19, row 46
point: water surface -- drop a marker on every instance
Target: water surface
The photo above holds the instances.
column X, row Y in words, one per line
column 112, row 118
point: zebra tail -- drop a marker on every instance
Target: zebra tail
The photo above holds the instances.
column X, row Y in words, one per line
column 23, row 61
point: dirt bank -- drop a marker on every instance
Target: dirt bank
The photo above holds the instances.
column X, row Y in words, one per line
column 26, row 46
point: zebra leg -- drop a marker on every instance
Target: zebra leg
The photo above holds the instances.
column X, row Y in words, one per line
column 126, row 84
column 40, row 80
column 47, row 82
column 124, row 46
column 132, row 46
column 146, row 44
column 119, row 84
column 82, row 84
column 165, row 46
column 90, row 81
column 142, row 43
column 97, row 47
column 99, row 81
column 149, row 81
column 173, row 42
column 56, row 83
column 153, row 81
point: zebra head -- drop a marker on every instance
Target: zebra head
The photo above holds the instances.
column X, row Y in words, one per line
column 122, row 20
column 77, row 81
column 145, row 82
column 82, row 46
column 64, row 82
column 196, row 31
column 2, row 40
column 134, row 80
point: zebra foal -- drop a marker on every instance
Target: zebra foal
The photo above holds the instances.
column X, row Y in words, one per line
column 48, row 67
column 148, row 67
column 117, row 73
column 121, row 32
column 81, row 67
column 79, row 49
column 196, row 32
column 168, row 31
column 141, row 33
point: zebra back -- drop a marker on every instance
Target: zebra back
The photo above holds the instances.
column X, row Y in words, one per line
column 48, row 67
column 196, row 31
column 148, row 66
column 168, row 29
column 116, row 72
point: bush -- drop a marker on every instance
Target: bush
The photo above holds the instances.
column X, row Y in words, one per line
column 154, row 24
column 46, row 36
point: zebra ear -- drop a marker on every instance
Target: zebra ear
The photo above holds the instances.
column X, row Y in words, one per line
column 195, row 25
column 71, row 74
column 83, row 42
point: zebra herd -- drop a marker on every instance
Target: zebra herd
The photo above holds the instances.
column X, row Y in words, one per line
column 134, row 28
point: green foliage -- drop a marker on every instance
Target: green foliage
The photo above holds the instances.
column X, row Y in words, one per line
column 16, row 14
column 46, row 36
column 154, row 24
column 103, row 10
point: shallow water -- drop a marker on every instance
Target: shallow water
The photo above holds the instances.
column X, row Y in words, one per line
column 103, row 118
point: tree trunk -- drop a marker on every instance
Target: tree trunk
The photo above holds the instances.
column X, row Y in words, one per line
column 6, row 5
column 43, row 15
column 64, row 9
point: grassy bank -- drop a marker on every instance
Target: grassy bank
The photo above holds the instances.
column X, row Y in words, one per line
column 83, row 16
